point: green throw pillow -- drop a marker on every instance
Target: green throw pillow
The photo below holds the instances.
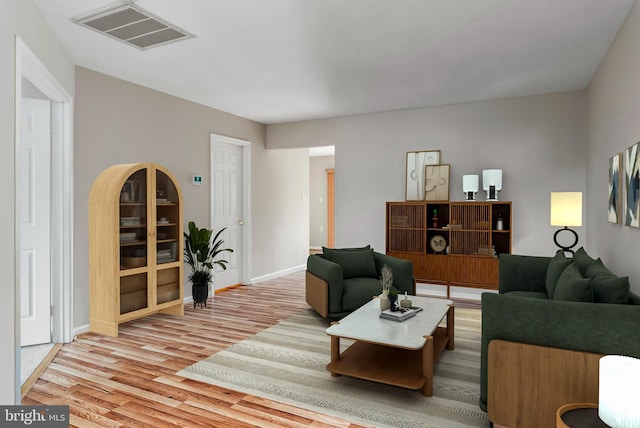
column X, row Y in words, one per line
column 607, row 287
column 355, row 264
column 572, row 286
column 557, row 265
column 583, row 260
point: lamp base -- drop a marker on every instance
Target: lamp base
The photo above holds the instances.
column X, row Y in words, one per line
column 492, row 193
column 566, row 248
column 470, row 196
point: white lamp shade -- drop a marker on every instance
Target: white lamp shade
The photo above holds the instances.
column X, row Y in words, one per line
column 470, row 183
column 618, row 392
column 566, row 209
column 491, row 177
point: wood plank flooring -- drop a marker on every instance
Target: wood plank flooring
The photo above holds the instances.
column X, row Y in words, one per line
column 130, row 381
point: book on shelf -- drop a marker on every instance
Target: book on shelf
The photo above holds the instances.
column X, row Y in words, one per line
column 399, row 315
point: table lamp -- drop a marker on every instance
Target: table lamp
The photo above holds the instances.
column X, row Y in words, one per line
column 618, row 391
column 492, row 183
column 566, row 210
column 470, row 186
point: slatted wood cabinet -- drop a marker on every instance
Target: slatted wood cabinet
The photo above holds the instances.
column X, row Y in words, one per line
column 135, row 245
column 450, row 243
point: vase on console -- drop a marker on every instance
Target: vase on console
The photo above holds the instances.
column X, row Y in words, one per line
column 387, row 288
column 384, row 301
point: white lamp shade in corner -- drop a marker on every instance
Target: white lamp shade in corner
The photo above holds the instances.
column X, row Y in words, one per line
column 618, row 392
column 566, row 209
column 470, row 183
column 491, row 177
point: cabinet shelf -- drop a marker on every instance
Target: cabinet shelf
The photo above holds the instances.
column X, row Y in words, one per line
column 162, row 241
column 132, row 243
column 467, row 255
column 133, row 272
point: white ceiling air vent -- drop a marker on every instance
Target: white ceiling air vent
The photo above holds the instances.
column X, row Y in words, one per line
column 132, row 25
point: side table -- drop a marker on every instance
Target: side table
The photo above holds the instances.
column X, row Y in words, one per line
column 579, row 415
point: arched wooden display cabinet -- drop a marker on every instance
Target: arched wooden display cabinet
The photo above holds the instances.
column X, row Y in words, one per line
column 135, row 245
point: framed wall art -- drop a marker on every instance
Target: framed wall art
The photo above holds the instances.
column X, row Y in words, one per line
column 436, row 182
column 416, row 162
column 632, row 181
column 615, row 189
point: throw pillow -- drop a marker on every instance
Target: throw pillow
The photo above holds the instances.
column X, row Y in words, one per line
column 583, row 260
column 607, row 287
column 354, row 264
column 572, row 286
column 557, row 265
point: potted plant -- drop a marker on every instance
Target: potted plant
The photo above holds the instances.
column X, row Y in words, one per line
column 200, row 252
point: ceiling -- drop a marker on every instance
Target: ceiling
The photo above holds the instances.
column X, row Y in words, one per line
column 277, row 61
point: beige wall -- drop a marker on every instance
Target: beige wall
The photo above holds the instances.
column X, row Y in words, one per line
column 22, row 18
column 613, row 117
column 120, row 122
column 538, row 141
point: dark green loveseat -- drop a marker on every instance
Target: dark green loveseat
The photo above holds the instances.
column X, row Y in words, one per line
column 339, row 281
column 605, row 319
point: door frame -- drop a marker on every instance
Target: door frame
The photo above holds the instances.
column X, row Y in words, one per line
column 30, row 67
column 246, row 197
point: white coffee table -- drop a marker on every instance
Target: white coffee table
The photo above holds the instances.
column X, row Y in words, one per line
column 395, row 353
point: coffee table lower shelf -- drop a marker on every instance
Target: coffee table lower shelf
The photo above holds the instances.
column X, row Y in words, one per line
column 406, row 368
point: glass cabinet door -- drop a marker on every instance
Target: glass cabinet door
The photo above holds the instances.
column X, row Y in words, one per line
column 133, row 221
column 166, row 219
column 133, row 242
column 167, row 235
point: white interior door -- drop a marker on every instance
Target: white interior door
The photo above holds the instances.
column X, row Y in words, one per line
column 226, row 188
column 35, row 221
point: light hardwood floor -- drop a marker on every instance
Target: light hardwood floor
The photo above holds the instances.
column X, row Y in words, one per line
column 130, row 381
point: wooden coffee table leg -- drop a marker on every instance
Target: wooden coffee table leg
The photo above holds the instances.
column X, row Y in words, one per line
column 427, row 367
column 450, row 328
column 335, row 351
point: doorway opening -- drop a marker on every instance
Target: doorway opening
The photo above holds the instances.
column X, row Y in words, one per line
column 321, row 197
column 32, row 77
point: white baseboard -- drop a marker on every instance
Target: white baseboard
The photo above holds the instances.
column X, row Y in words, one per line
column 81, row 329
column 278, row 274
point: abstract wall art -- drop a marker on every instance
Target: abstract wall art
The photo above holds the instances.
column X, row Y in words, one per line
column 632, row 181
column 615, row 189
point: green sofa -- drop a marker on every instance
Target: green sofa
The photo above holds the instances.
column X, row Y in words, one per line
column 557, row 302
column 339, row 281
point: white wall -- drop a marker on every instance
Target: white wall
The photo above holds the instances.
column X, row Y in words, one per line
column 538, row 141
column 22, row 18
column 120, row 122
column 613, row 118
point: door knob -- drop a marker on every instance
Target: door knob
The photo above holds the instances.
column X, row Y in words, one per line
column 241, row 222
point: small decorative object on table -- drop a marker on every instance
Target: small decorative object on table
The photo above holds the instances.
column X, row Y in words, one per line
column 398, row 315
column 386, row 280
column 393, row 299
column 406, row 303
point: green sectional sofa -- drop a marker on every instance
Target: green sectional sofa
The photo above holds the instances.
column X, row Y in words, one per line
column 557, row 302
column 339, row 281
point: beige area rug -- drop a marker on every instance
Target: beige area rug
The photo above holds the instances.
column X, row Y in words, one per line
column 286, row 363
